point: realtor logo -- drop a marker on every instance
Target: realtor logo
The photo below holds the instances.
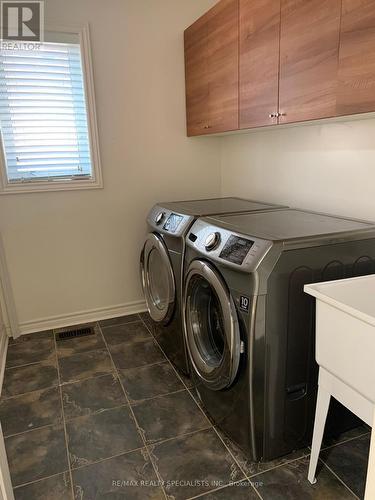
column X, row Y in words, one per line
column 22, row 21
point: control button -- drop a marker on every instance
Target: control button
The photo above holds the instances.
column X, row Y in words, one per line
column 212, row 241
column 193, row 237
column 159, row 218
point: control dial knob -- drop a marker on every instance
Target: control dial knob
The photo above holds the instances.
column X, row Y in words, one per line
column 159, row 218
column 212, row 241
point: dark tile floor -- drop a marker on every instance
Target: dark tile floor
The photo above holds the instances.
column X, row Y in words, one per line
column 107, row 416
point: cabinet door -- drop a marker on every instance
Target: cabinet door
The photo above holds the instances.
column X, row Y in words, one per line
column 259, row 62
column 196, row 77
column 309, row 45
column 211, row 70
column 356, row 77
column 222, row 46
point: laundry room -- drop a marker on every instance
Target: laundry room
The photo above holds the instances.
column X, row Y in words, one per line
column 187, row 249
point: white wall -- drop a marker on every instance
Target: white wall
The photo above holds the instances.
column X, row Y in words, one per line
column 328, row 167
column 76, row 251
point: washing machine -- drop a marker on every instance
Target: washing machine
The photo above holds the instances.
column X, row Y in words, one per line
column 161, row 264
column 249, row 326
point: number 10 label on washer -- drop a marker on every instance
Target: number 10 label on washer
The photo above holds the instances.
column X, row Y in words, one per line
column 244, row 303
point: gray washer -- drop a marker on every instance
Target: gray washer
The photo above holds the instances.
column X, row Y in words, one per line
column 249, row 326
column 162, row 263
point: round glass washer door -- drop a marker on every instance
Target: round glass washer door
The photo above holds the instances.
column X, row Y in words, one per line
column 157, row 279
column 211, row 326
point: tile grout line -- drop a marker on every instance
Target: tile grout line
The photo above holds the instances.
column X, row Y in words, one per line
column 119, row 324
column 22, row 394
column 232, row 455
column 338, row 477
column 282, row 464
column 87, row 324
column 166, row 440
column 52, row 355
column 8, row 398
column 41, row 479
column 135, row 402
column 81, row 353
column 135, row 419
column 142, row 366
column 201, row 410
column 94, row 413
column 220, row 488
column 62, row 384
column 256, row 490
column 101, row 460
column 64, row 422
column 28, row 431
column 103, row 327
column 76, row 381
column 344, row 441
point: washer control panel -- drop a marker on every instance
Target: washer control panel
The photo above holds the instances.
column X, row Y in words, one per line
column 232, row 249
column 166, row 221
column 236, row 249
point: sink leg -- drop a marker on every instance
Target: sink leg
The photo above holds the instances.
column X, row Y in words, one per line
column 322, row 406
column 370, row 482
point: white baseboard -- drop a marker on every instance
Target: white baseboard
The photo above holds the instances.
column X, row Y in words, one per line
column 76, row 318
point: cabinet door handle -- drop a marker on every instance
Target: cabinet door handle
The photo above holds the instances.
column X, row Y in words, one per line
column 207, row 126
column 276, row 115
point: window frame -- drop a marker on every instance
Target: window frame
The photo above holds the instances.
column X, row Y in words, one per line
column 96, row 181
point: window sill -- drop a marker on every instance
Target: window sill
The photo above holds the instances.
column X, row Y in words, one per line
column 46, row 186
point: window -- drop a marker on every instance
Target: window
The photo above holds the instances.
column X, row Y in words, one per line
column 47, row 116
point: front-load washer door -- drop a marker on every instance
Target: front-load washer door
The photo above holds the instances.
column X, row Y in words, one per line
column 157, row 279
column 211, row 326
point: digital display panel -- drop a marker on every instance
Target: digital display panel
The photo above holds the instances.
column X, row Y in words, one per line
column 172, row 223
column 236, row 249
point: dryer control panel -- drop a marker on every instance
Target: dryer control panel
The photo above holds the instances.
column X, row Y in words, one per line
column 233, row 249
column 236, row 249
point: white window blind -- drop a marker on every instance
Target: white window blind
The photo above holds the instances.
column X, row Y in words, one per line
column 43, row 114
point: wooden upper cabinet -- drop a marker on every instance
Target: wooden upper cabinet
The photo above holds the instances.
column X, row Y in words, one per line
column 223, row 66
column 211, row 70
column 309, row 45
column 259, row 62
column 196, row 77
column 252, row 63
column 356, row 76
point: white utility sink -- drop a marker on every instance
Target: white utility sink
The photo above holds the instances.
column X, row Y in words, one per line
column 345, row 352
column 345, row 331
